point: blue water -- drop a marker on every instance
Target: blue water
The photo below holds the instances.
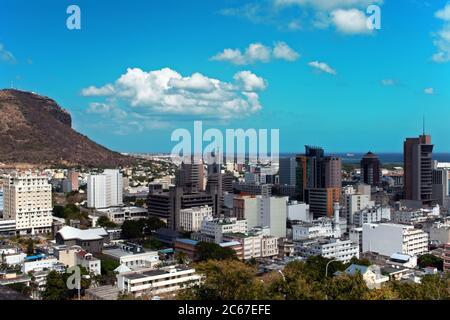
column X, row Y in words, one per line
column 384, row 157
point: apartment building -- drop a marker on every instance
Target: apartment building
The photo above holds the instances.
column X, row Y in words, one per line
column 341, row 250
column 105, row 190
column 156, row 282
column 191, row 219
column 215, row 228
column 28, row 201
column 388, row 238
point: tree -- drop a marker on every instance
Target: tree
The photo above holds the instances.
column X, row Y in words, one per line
column 104, row 222
column 153, row 223
column 55, row 288
column 429, row 260
column 180, row 257
column 225, row 280
column 132, row 229
column 210, row 251
column 58, row 211
column 30, row 247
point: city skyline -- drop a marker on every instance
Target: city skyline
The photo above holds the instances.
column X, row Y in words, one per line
column 296, row 66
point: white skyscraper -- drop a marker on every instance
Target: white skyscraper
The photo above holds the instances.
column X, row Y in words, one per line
column 28, row 201
column 105, row 190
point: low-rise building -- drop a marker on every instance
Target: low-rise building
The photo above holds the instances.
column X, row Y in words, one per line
column 91, row 240
column 388, row 238
column 447, row 258
column 155, row 282
column 440, row 233
column 371, row 215
column 331, row 248
column 191, row 219
column 319, row 228
column 133, row 256
column 119, row 215
column 216, row 228
column 41, row 263
column 371, row 274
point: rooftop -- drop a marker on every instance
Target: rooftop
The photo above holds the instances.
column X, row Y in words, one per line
column 70, row 233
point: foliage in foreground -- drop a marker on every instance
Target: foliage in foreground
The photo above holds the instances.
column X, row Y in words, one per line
column 234, row 280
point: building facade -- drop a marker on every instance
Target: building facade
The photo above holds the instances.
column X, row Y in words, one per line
column 28, row 201
column 105, row 190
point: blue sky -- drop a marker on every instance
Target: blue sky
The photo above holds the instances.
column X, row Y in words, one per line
column 137, row 70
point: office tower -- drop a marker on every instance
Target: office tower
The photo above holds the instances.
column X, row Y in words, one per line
column 214, row 187
column 371, row 169
column 190, row 177
column 316, row 171
column 105, row 190
column 28, row 201
column 227, row 182
column 321, row 201
column 418, row 153
column 288, row 168
column 167, row 205
column 73, row 179
column 441, row 185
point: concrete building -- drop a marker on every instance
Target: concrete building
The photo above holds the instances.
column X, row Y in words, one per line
column 254, row 245
column 355, row 202
column 28, row 201
column 7, row 227
column 190, row 177
column 331, row 248
column 355, row 235
column 441, row 185
column 418, row 166
column 40, row 263
column 371, row 215
column 273, row 214
column 132, row 256
column 298, row 211
column 119, row 215
column 105, row 190
column 387, row 239
column 191, row 219
column 91, row 240
column 156, row 282
column 440, row 233
column 167, row 205
column 447, row 258
column 71, row 256
column 246, row 208
column 253, row 189
column 215, row 228
column 409, row 216
column 321, row 201
column 320, row 228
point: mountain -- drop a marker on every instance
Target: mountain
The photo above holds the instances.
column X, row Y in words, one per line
column 35, row 130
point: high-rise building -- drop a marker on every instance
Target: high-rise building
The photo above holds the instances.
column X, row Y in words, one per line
column 418, row 166
column 73, row 178
column 190, row 177
column 371, row 169
column 214, row 187
column 167, row 205
column 315, row 171
column 28, row 201
column 287, row 173
column 105, row 190
column 321, row 201
column 441, row 184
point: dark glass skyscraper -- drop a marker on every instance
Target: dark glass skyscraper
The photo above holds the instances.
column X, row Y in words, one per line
column 418, row 182
column 371, row 169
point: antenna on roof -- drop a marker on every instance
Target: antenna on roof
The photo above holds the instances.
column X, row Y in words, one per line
column 423, row 124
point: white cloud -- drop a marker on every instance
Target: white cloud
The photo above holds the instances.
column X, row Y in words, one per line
column 328, row 4
column 429, row 91
column 165, row 92
column 389, row 82
column 284, row 52
column 249, row 81
column 257, row 52
column 345, row 15
column 323, row 67
column 351, row 21
column 442, row 37
column 6, row 55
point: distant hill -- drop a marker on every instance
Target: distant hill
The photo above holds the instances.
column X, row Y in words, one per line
column 35, row 130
